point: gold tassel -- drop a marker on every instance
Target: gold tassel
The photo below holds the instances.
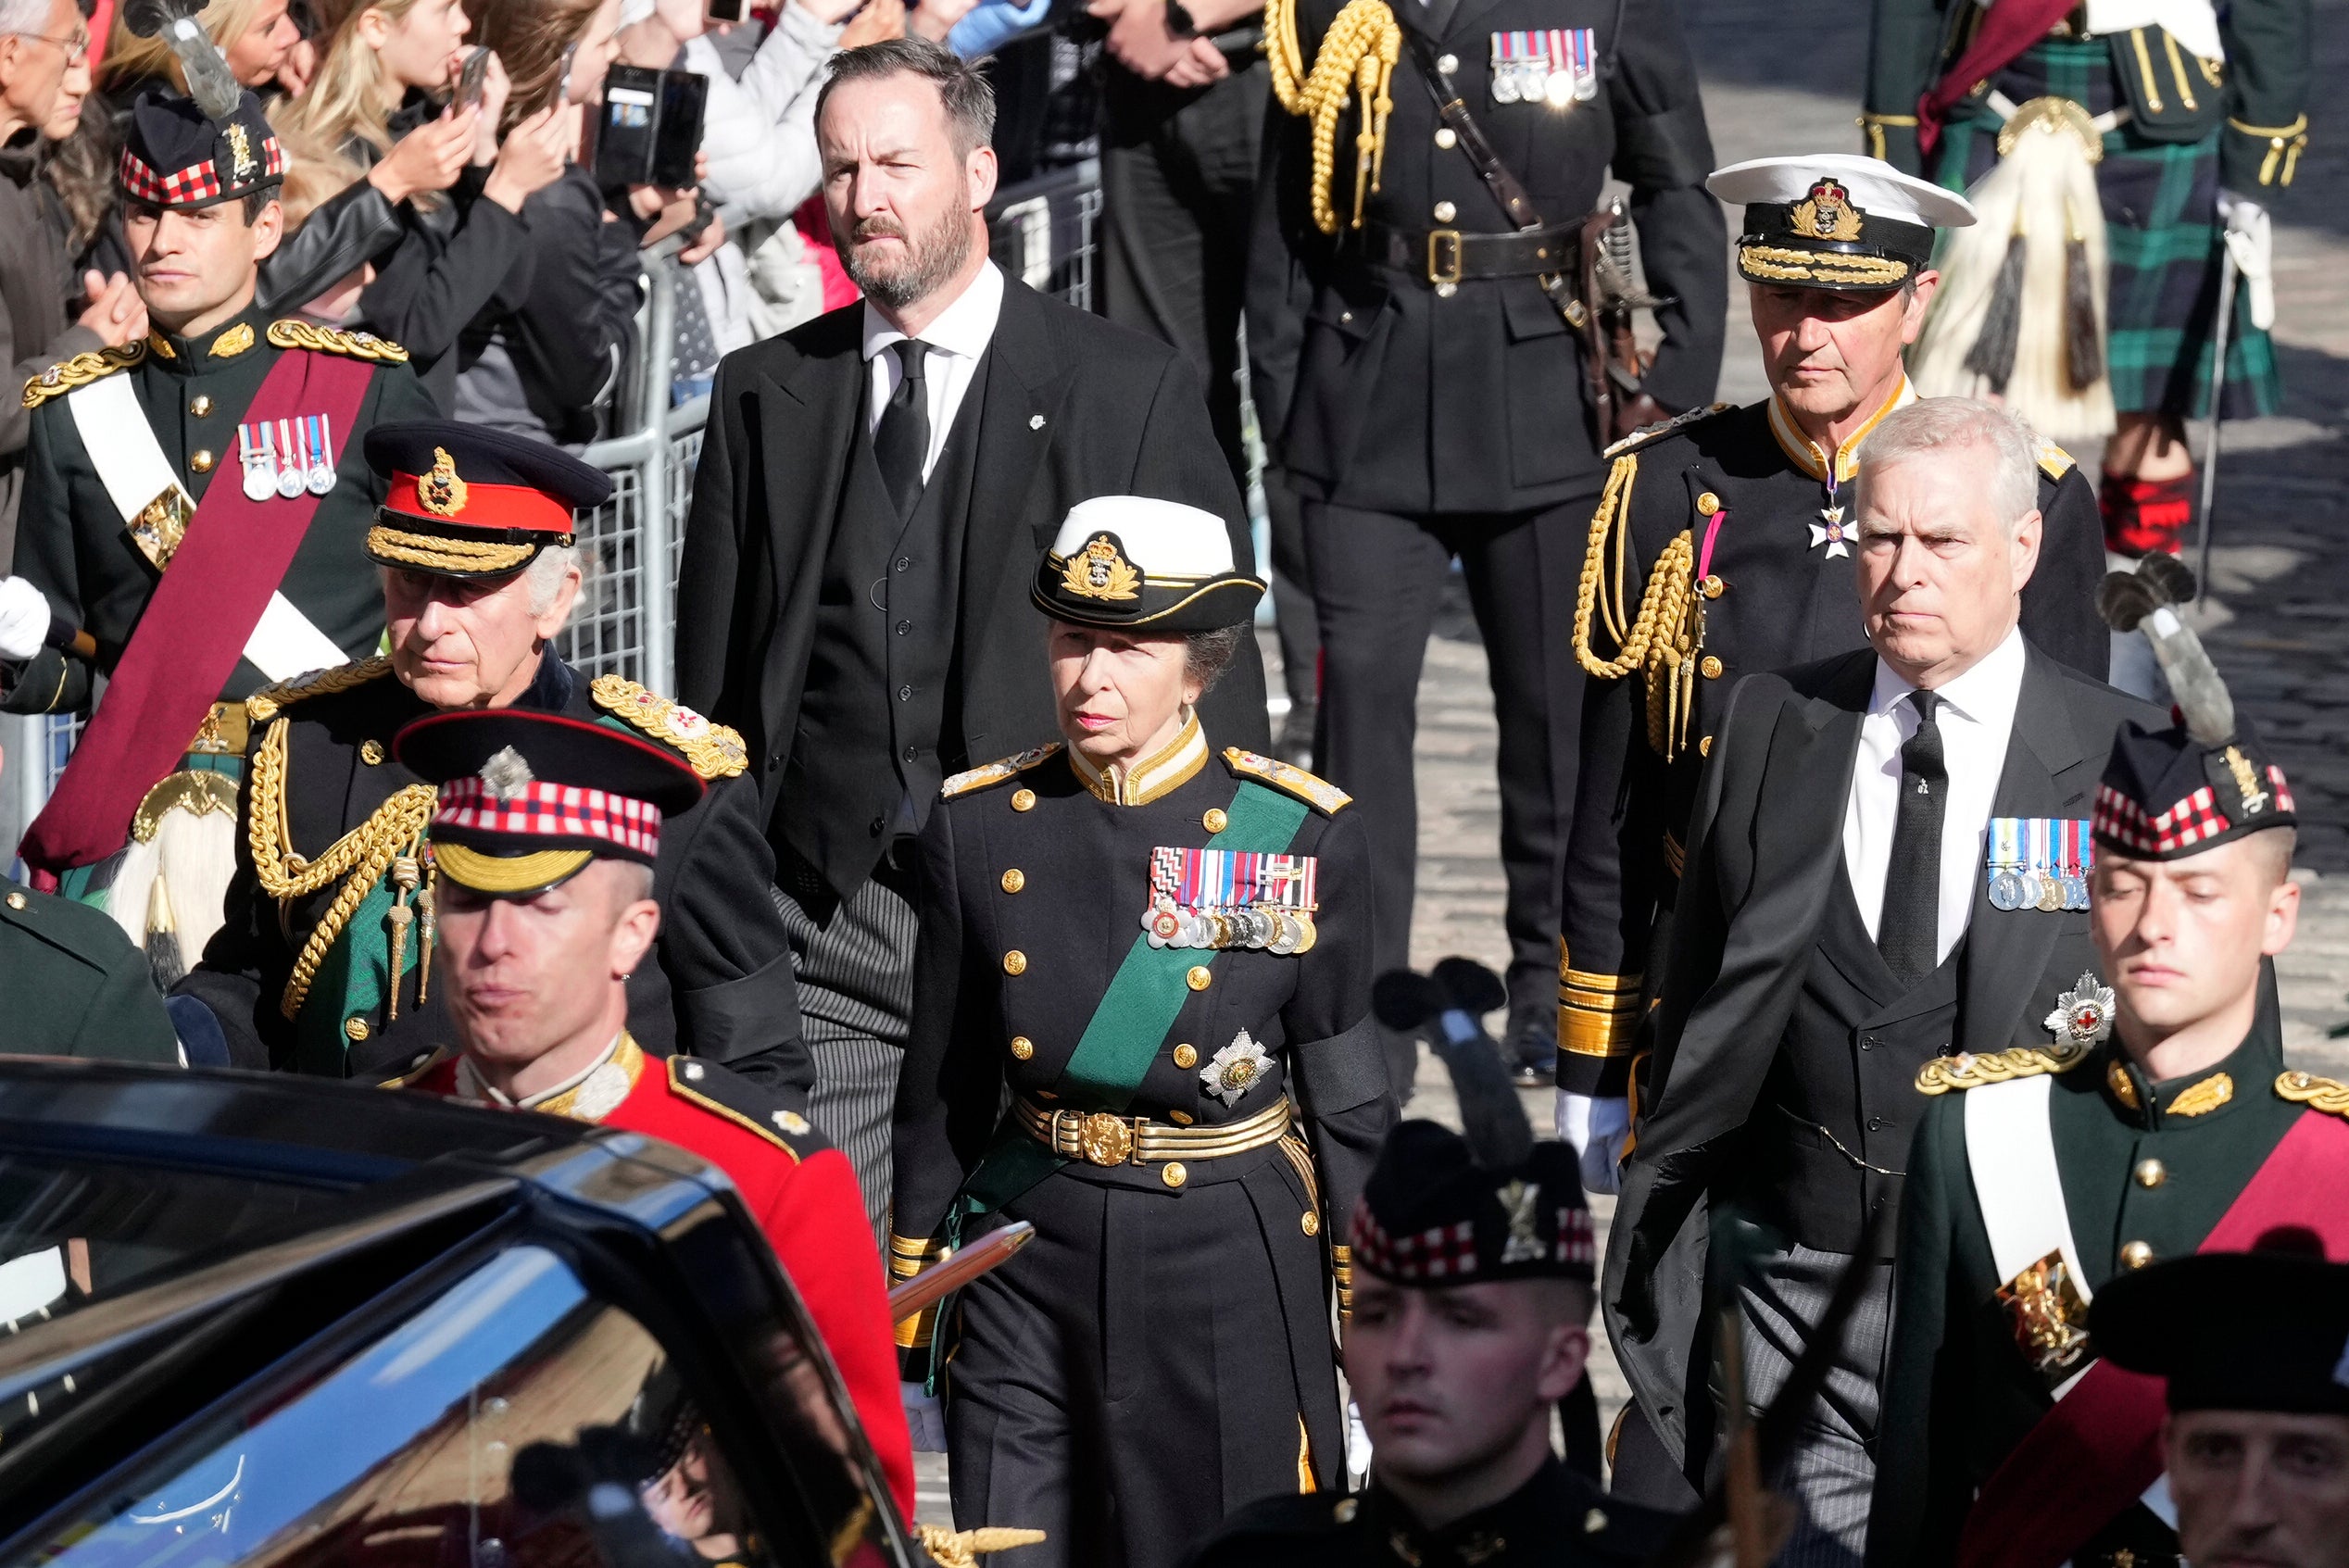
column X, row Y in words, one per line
column 431, row 908
column 404, row 879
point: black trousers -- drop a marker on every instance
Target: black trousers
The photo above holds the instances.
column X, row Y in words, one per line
column 1379, row 579
column 1154, row 1360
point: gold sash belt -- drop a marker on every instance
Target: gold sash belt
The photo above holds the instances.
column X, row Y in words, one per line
column 1099, row 1138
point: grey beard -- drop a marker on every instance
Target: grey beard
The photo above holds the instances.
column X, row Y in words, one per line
column 938, row 255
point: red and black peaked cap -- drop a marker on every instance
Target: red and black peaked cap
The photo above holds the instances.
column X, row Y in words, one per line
column 469, row 502
column 176, row 155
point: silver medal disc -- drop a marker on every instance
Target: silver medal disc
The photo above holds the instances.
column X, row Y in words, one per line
column 1559, row 89
column 322, row 478
column 259, row 483
column 291, row 482
column 1505, row 84
column 2006, row 891
column 1586, row 87
column 1286, row 934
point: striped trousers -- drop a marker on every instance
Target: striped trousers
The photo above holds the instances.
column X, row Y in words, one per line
column 855, row 974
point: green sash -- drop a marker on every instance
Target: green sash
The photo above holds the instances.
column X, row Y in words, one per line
column 351, row 983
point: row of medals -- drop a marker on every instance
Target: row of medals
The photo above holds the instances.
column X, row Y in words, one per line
column 1532, row 81
column 2018, row 887
column 1263, row 927
column 268, row 473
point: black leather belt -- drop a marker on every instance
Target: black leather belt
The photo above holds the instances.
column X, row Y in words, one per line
column 1447, row 255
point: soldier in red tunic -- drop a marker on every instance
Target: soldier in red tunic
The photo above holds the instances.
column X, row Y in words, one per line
column 544, row 835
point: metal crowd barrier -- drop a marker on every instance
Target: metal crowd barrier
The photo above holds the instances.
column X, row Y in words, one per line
column 1043, row 230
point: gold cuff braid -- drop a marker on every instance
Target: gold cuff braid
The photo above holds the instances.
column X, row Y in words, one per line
column 907, row 1257
column 1341, row 1273
column 1598, row 1014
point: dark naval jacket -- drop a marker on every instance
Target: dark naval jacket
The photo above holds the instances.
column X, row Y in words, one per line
column 298, row 979
column 1416, row 396
column 1719, row 518
column 2148, row 1168
column 1785, row 1052
column 71, row 983
column 72, row 541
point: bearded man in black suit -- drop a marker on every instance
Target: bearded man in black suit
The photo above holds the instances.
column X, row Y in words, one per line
column 874, row 488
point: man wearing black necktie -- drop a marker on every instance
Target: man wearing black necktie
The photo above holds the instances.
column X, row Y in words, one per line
column 1836, row 931
column 853, row 593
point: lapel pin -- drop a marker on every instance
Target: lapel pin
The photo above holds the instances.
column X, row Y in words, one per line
column 1035, row 421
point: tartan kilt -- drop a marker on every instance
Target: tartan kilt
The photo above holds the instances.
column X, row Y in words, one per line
column 2162, row 240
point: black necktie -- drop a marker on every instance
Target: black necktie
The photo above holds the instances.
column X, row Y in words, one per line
column 901, row 442
column 1908, row 931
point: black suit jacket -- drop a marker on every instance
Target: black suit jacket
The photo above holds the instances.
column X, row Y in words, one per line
column 1766, row 855
column 1073, row 407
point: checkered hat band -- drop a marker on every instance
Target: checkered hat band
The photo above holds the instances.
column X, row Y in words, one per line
column 552, row 811
column 2195, row 820
column 196, row 183
column 1449, row 1251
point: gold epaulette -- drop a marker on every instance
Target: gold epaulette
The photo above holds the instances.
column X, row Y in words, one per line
column 2053, row 461
column 265, row 704
column 292, row 333
column 68, row 375
column 715, row 751
column 1964, row 1071
column 1289, row 778
column 996, row 773
column 2328, row 1094
column 1647, row 433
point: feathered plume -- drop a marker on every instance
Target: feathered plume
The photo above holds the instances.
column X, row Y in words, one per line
column 1447, row 1008
column 2145, row 600
column 210, row 83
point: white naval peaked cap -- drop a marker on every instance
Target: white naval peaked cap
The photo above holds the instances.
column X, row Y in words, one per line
column 1164, row 538
column 1874, row 185
column 1125, row 562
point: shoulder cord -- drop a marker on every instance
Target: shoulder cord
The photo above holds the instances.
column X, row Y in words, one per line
column 1662, row 643
column 1358, row 56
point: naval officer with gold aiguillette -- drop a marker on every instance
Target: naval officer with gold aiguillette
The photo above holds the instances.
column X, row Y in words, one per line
column 1162, row 950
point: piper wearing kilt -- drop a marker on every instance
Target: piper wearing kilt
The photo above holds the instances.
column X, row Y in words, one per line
column 2116, row 151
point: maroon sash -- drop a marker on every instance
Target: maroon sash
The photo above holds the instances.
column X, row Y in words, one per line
column 2008, row 28
column 192, row 633
column 2100, row 1447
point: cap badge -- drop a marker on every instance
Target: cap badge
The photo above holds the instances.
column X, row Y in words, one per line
column 1828, row 214
column 2246, row 781
column 1235, row 1069
column 441, row 491
column 241, row 153
column 1098, row 572
column 1523, row 1201
column 2083, row 1015
column 508, row 776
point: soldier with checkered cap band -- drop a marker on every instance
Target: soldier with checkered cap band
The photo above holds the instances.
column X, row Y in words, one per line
column 1470, row 1322
column 2161, row 1120
column 193, row 514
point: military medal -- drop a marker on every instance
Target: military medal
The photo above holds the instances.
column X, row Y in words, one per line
column 2044, row 866
column 1225, row 898
column 260, row 465
column 1505, row 89
column 2006, row 885
column 1164, row 926
column 2083, row 856
column 1831, row 530
column 322, row 475
column 291, row 471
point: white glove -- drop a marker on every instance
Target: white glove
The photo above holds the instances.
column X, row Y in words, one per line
column 24, row 618
column 1598, row 1129
column 924, row 1418
column 1357, row 1441
column 2251, row 238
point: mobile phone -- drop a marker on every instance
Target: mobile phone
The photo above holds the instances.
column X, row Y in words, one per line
column 677, row 130
column 724, row 10
column 472, row 78
column 650, row 127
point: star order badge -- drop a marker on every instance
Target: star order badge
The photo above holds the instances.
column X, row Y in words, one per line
column 2083, row 1015
column 1234, row 1070
column 1832, row 531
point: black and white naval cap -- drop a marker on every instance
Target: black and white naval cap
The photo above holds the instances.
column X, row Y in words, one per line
column 1137, row 562
column 1835, row 220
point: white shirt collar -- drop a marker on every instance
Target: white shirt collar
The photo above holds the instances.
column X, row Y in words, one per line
column 1984, row 695
column 473, row 1085
column 964, row 328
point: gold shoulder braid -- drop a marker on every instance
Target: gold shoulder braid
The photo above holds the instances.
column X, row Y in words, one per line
column 2328, row 1094
column 263, row 705
column 291, row 334
column 715, row 751
column 1358, row 54
column 1944, row 1074
column 1663, row 641
column 80, row 372
column 394, row 833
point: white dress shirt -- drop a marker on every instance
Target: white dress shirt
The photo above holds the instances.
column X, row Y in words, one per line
column 956, row 340
column 1977, row 718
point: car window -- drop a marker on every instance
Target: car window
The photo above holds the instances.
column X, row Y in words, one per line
column 516, row 1421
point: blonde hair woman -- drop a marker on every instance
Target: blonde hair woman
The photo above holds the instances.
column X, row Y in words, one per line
column 256, row 35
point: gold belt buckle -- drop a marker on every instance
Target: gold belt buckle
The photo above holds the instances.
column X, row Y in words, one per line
column 1443, row 268
column 1105, row 1139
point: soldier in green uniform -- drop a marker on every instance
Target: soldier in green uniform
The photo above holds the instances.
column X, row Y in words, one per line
column 186, row 594
column 2159, row 1120
column 334, row 887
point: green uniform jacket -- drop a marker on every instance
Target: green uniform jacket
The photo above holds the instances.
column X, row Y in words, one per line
column 2262, row 94
column 72, row 984
column 72, row 544
column 2147, row 1170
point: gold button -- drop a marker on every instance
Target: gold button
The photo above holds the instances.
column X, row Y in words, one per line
column 1708, row 503
column 1309, row 1222
column 1712, row 667
column 200, row 461
column 2136, row 1255
column 1016, row 962
column 1199, row 979
column 1013, row 880
column 1445, row 139
column 357, row 1028
column 1705, row 747
column 1172, row 1173
column 1712, row 586
column 1179, row 1118
column 1446, row 213
column 2150, row 1173
column 200, row 406
column 16, row 901
column 1185, row 1056
column 1022, row 1047
column 371, row 752
column 1024, row 800
column 1214, row 819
